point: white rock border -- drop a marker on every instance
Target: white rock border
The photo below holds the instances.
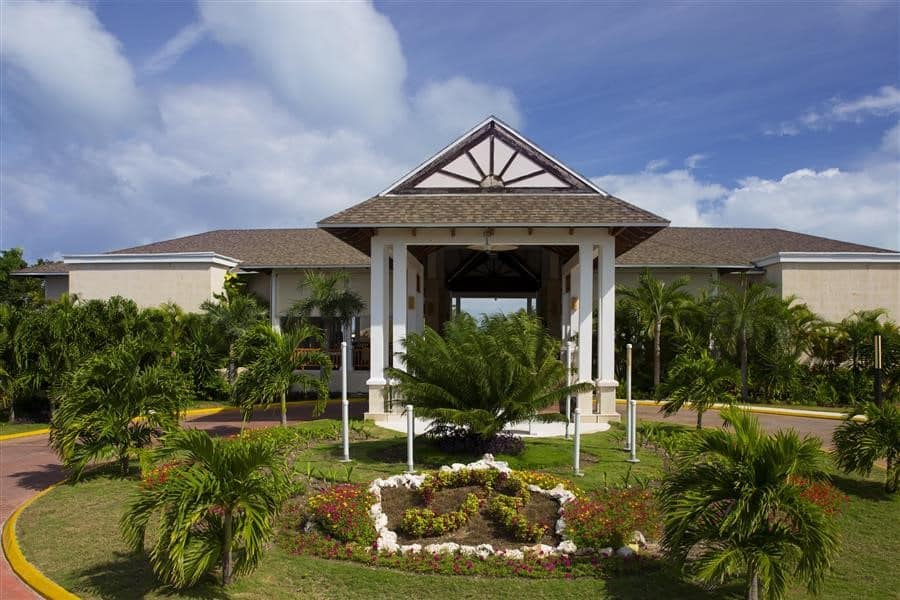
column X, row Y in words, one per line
column 387, row 538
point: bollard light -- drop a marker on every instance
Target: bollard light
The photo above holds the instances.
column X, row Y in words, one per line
column 628, row 440
column 631, row 409
column 576, row 461
column 569, row 346
column 345, row 405
column 410, row 433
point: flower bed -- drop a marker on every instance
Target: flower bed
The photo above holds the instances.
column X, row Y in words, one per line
column 493, row 491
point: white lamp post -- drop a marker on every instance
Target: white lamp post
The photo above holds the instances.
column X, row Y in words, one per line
column 410, row 433
column 569, row 346
column 631, row 409
column 345, row 404
column 577, row 456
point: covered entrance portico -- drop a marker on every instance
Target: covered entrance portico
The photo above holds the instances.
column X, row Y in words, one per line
column 492, row 214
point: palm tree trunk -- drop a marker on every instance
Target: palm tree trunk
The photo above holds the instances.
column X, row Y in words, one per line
column 699, row 419
column 890, row 477
column 12, row 411
column 752, row 585
column 123, row 460
column 745, row 389
column 657, row 343
column 228, row 538
column 231, row 370
column 283, row 409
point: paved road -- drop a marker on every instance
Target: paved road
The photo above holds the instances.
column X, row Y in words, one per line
column 821, row 428
column 28, row 465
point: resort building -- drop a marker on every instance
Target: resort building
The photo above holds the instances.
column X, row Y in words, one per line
column 490, row 216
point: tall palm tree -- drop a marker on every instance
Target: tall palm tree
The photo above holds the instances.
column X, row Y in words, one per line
column 328, row 294
column 699, row 380
column 216, row 505
column 11, row 379
column 740, row 312
column 277, row 365
column 484, row 377
column 858, row 444
column 734, row 506
column 233, row 314
column 115, row 402
column 654, row 302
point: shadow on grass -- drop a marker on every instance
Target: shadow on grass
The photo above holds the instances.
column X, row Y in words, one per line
column 861, row 488
column 129, row 577
column 658, row 576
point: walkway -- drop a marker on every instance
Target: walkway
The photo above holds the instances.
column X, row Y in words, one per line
column 28, row 465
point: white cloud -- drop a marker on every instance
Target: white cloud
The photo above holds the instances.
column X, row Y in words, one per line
column 676, row 195
column 656, row 164
column 448, row 108
column 860, row 204
column 694, row 160
column 334, row 62
column 61, row 65
column 885, row 102
column 186, row 38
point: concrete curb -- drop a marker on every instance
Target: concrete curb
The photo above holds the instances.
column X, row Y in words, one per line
column 194, row 412
column 27, row 572
column 755, row 408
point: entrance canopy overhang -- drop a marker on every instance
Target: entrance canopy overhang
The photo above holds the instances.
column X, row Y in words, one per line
column 494, row 188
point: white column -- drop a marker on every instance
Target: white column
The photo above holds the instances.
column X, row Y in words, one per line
column 400, row 294
column 273, row 301
column 585, row 305
column 606, row 337
column 376, row 316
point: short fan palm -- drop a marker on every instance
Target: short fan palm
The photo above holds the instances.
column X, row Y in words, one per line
column 858, row 444
column 213, row 503
column 699, row 380
column 278, row 364
column 734, row 507
column 484, row 377
column 116, row 402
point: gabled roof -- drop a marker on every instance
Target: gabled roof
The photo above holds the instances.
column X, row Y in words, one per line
column 493, row 177
column 736, row 247
column 493, row 157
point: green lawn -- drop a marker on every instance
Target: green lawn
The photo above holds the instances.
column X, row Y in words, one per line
column 7, row 428
column 72, row 535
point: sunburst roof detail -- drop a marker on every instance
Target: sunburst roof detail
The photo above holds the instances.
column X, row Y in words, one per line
column 492, row 158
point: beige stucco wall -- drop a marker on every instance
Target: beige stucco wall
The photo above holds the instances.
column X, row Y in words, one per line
column 698, row 279
column 187, row 285
column 834, row 290
column 55, row 286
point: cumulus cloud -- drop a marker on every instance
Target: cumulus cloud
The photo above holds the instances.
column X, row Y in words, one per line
column 884, row 102
column 60, row 66
column 857, row 204
column 448, row 108
column 334, row 62
column 694, row 160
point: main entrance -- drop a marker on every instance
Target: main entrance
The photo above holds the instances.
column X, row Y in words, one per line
column 493, row 216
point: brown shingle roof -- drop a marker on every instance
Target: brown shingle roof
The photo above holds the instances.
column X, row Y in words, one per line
column 265, row 247
column 728, row 246
column 583, row 210
column 696, row 246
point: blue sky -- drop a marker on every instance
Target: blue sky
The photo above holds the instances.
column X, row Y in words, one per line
column 124, row 123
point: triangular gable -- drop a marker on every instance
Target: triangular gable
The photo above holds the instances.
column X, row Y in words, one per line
column 492, row 158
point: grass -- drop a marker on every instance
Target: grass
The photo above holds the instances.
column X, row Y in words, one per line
column 7, row 428
column 86, row 555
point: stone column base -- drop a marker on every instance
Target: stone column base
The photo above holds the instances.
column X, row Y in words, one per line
column 606, row 399
column 377, row 401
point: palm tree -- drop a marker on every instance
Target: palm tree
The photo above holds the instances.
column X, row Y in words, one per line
column 654, row 302
column 484, row 378
column 11, row 381
column 215, row 505
column 858, row 444
column 233, row 314
column 115, row 402
column 699, row 380
column 278, row 365
column 329, row 295
column 734, row 506
column 740, row 312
